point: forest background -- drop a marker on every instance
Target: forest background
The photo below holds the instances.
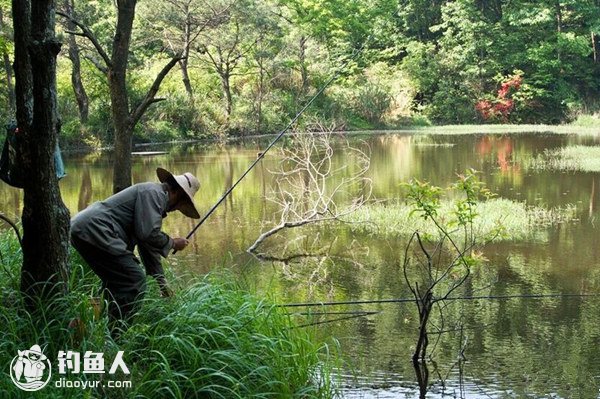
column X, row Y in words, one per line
column 247, row 66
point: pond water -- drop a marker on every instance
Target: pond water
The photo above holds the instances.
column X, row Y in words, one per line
column 514, row 348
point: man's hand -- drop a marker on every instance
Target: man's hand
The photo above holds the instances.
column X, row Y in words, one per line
column 166, row 292
column 179, row 243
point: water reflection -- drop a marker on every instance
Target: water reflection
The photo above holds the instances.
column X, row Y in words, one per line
column 515, row 348
column 85, row 191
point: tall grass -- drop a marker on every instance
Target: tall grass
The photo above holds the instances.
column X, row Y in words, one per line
column 516, row 220
column 583, row 129
column 211, row 340
column 572, row 158
column 215, row 341
column 587, row 120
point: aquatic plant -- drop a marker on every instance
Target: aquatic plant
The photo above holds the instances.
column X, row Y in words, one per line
column 572, row 158
column 436, row 265
column 518, row 220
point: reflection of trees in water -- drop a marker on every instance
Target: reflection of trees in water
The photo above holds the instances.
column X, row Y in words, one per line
column 85, row 191
column 228, row 181
column 592, row 204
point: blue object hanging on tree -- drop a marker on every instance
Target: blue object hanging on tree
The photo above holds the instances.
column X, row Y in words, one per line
column 11, row 170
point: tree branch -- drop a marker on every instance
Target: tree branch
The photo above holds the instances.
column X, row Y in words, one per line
column 97, row 64
column 14, row 226
column 86, row 32
column 149, row 99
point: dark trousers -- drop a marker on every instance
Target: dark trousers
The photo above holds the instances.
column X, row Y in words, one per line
column 123, row 281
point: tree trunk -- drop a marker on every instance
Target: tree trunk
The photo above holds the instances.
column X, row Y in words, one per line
column 183, row 64
column 227, row 93
column 45, row 218
column 422, row 373
column 594, row 46
column 78, row 88
column 558, row 30
column 119, row 99
column 9, row 82
column 261, row 93
column 303, row 68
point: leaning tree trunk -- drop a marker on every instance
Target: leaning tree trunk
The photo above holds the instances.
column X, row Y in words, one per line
column 78, row 88
column 45, row 218
column 185, row 77
column 118, row 96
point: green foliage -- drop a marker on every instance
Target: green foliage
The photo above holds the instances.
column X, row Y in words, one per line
column 424, row 197
column 468, row 191
column 467, row 206
column 472, row 191
column 211, row 340
column 426, row 61
column 371, row 102
column 473, row 44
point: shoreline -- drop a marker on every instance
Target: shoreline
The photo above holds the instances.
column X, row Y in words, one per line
column 437, row 130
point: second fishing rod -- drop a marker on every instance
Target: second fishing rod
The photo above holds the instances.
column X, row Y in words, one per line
column 261, row 155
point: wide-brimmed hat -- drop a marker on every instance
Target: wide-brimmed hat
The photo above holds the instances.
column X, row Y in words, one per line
column 189, row 184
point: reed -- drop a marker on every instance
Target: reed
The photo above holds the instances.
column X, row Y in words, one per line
column 516, row 220
column 572, row 158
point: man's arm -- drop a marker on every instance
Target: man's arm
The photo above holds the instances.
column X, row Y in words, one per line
column 151, row 258
column 148, row 217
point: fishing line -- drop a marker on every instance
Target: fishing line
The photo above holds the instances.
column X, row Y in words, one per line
column 279, row 136
column 329, row 321
column 404, row 300
column 360, row 313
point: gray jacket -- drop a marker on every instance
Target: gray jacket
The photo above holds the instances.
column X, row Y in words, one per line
column 130, row 217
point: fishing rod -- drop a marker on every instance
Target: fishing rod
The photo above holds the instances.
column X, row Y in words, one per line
column 279, row 136
column 405, row 300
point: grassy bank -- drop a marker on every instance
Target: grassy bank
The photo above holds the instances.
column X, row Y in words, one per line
column 506, row 128
column 516, row 220
column 211, row 340
column 70, row 143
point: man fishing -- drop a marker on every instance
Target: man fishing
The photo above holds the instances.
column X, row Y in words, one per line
column 106, row 233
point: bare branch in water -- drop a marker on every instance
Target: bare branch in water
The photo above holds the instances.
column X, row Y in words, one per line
column 310, row 189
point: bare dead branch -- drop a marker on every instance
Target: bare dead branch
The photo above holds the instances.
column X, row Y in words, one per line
column 308, row 187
